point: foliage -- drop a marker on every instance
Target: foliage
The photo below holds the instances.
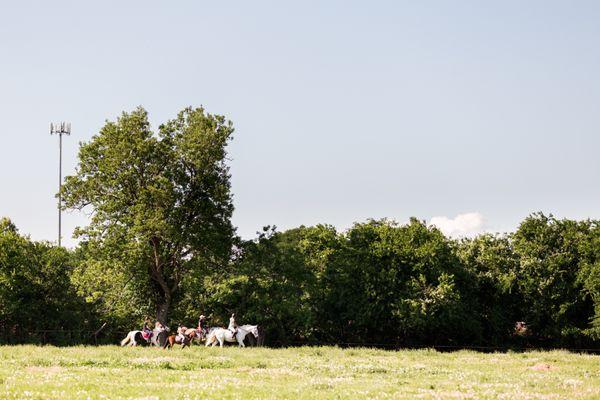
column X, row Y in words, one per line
column 269, row 283
column 161, row 204
column 392, row 283
column 550, row 258
column 588, row 276
column 376, row 283
column 493, row 294
column 35, row 288
column 160, row 241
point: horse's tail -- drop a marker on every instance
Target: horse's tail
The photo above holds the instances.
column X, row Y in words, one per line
column 210, row 338
column 126, row 340
column 167, row 342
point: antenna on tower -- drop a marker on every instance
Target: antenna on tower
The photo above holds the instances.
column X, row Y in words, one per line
column 63, row 128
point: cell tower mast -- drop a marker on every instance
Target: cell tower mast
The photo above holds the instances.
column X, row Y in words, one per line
column 63, row 128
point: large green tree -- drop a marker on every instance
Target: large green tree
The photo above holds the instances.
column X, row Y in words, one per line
column 160, row 203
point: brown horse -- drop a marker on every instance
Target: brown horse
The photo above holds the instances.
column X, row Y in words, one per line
column 195, row 334
column 181, row 338
column 176, row 339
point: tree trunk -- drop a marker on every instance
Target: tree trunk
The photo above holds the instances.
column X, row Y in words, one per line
column 163, row 308
column 164, row 304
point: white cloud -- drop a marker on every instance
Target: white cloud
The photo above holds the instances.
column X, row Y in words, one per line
column 463, row 225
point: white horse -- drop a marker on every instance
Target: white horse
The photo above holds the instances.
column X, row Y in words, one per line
column 222, row 335
column 136, row 337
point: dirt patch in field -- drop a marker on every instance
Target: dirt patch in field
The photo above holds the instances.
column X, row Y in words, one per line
column 542, row 367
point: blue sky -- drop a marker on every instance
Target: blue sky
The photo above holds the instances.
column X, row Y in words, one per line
column 343, row 110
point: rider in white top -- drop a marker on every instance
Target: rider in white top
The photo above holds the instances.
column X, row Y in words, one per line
column 180, row 338
column 232, row 326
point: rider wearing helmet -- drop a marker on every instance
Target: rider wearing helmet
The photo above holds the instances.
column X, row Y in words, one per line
column 202, row 329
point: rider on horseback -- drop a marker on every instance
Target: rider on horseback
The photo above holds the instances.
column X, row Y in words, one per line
column 232, row 326
column 202, row 328
column 180, row 338
column 146, row 331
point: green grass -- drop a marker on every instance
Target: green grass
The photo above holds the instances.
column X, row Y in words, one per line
column 306, row 373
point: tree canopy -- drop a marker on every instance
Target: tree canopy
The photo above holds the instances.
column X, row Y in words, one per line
column 160, row 202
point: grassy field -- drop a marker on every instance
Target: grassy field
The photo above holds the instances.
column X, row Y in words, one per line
column 308, row 373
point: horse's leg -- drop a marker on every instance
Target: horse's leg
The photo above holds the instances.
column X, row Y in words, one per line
column 124, row 341
column 210, row 340
column 240, row 340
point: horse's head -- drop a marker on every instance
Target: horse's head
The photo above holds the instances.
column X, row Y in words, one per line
column 253, row 330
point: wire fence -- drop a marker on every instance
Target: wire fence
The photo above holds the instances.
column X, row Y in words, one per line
column 63, row 337
column 70, row 337
column 441, row 348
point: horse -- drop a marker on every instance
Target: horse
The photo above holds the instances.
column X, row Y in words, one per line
column 222, row 335
column 255, row 340
column 137, row 337
column 133, row 338
column 195, row 333
column 180, row 338
column 198, row 333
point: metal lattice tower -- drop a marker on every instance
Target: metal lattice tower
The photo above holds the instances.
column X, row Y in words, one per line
column 63, row 128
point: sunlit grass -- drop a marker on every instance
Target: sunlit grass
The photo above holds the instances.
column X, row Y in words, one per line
column 306, row 373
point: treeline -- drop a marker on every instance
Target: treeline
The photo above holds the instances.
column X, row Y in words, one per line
column 385, row 283
column 160, row 244
column 377, row 283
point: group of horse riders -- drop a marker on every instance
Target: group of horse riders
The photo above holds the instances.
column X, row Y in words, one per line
column 185, row 335
column 159, row 336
